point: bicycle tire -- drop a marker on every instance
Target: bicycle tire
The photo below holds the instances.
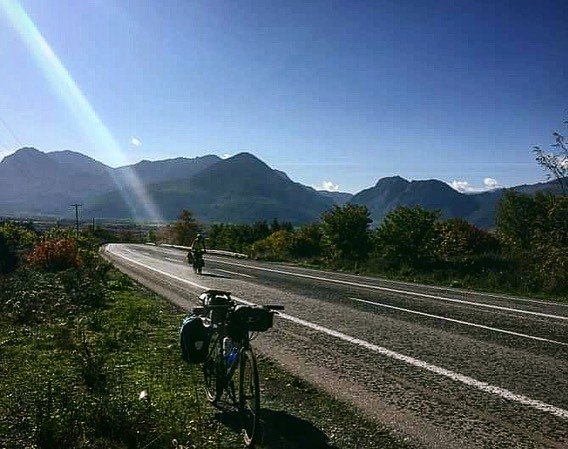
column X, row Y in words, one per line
column 213, row 370
column 249, row 396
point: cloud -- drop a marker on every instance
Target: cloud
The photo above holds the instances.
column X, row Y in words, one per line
column 491, row 183
column 463, row 186
column 466, row 187
column 328, row 186
column 136, row 141
column 226, row 156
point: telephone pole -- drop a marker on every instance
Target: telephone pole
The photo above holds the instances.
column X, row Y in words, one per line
column 77, row 206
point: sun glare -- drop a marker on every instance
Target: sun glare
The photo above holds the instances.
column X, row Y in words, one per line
column 63, row 84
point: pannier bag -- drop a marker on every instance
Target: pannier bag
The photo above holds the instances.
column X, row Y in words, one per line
column 190, row 257
column 250, row 318
column 194, row 339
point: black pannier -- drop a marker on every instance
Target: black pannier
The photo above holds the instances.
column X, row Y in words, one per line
column 194, row 339
column 250, row 318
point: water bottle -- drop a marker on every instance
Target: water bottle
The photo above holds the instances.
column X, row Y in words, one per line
column 227, row 346
column 230, row 351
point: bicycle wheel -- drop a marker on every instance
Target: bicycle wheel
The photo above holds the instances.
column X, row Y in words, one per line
column 249, row 396
column 213, row 370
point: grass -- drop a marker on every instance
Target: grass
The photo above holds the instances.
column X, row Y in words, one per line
column 112, row 377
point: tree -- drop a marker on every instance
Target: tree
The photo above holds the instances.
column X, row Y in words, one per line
column 308, row 241
column 460, row 241
column 516, row 218
column 408, row 236
column 555, row 162
column 346, row 234
column 535, row 231
column 185, row 229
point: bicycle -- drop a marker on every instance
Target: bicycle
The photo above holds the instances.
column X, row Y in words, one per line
column 232, row 327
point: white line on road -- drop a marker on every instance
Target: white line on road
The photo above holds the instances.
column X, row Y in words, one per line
column 172, row 259
column 234, row 272
column 467, row 323
column 404, row 292
column 482, row 386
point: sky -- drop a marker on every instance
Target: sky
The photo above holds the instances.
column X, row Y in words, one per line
column 336, row 94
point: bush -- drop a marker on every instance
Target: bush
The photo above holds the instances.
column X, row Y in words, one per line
column 8, row 259
column 346, row 234
column 460, row 242
column 55, row 254
column 14, row 240
column 408, row 237
column 277, row 246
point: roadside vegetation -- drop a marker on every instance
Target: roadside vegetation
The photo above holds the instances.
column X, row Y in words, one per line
column 88, row 359
column 527, row 252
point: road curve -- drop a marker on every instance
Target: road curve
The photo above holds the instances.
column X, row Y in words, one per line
column 443, row 367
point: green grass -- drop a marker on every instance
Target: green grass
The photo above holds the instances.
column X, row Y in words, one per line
column 74, row 380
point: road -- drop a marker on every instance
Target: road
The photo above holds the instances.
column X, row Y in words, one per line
column 442, row 367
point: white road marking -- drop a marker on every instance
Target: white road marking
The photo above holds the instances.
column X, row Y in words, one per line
column 234, row 272
column 172, row 259
column 482, row 386
column 405, row 292
column 467, row 323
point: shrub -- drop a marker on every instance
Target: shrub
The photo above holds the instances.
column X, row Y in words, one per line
column 408, row 237
column 461, row 241
column 277, row 246
column 346, row 234
column 55, row 254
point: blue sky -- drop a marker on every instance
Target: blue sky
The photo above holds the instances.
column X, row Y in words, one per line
column 338, row 92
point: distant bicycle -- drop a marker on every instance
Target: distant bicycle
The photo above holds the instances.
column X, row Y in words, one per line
column 195, row 259
column 231, row 329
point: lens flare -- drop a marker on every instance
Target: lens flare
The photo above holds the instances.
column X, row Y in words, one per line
column 130, row 186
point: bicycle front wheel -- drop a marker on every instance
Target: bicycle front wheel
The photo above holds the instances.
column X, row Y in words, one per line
column 249, row 396
column 213, row 370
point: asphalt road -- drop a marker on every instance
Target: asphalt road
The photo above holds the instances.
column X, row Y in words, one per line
column 442, row 367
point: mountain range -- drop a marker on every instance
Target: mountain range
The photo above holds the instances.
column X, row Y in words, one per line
column 239, row 189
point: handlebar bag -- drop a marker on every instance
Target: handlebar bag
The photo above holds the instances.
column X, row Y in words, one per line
column 250, row 318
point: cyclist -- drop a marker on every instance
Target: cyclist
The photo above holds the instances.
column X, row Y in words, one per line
column 197, row 249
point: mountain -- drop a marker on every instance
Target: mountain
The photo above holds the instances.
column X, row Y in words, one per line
column 339, row 198
column 151, row 172
column 238, row 189
column 36, row 183
column 479, row 208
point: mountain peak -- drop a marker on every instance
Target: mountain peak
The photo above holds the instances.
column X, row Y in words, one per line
column 391, row 180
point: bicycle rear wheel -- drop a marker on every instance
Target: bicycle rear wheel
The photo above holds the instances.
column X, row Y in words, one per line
column 249, row 396
column 213, row 370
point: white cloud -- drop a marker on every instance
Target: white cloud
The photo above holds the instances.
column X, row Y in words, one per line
column 491, row 183
column 328, row 186
column 136, row 141
column 466, row 187
column 226, row 156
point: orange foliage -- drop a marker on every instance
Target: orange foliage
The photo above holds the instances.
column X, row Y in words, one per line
column 55, row 254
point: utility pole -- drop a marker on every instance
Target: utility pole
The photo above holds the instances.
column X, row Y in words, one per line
column 77, row 206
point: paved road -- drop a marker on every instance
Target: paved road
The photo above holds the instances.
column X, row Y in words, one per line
column 444, row 367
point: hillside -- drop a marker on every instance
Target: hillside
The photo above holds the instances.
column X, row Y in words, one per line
column 239, row 189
